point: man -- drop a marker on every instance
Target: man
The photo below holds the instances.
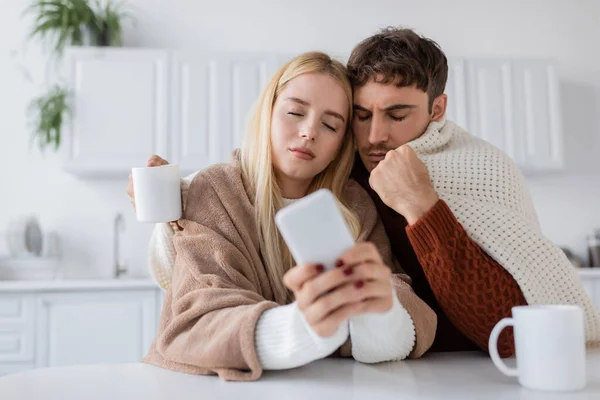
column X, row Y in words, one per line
column 399, row 79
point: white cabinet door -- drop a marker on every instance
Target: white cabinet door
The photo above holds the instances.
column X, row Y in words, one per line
column 120, row 99
column 537, row 115
column 17, row 327
column 514, row 105
column 456, row 91
column 490, row 104
column 94, row 327
column 211, row 98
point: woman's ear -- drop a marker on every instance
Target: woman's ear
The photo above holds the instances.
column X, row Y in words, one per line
column 438, row 109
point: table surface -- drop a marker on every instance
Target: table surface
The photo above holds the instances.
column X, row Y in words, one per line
column 62, row 285
column 437, row 376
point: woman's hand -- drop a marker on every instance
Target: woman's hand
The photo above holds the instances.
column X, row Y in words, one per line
column 376, row 285
column 360, row 284
column 154, row 161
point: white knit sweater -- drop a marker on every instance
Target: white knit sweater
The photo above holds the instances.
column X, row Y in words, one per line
column 487, row 194
column 284, row 339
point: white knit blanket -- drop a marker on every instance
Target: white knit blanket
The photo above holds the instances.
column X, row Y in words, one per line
column 487, row 194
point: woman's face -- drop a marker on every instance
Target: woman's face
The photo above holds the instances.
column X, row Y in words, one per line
column 308, row 126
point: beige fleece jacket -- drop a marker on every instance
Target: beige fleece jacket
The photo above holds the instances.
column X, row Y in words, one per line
column 220, row 288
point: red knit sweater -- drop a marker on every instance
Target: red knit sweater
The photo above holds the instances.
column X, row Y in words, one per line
column 468, row 290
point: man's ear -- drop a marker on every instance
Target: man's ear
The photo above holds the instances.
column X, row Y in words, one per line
column 438, row 108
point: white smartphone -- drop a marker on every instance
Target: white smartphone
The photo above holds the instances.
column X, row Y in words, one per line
column 314, row 229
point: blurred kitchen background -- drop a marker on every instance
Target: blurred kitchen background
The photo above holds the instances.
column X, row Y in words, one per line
column 78, row 197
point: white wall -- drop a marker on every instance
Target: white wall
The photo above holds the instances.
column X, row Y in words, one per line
column 82, row 211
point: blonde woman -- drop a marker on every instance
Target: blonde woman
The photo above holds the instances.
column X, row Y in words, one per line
column 236, row 304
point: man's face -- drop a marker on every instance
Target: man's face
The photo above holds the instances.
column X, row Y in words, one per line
column 387, row 117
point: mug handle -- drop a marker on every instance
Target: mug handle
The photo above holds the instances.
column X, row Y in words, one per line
column 493, row 347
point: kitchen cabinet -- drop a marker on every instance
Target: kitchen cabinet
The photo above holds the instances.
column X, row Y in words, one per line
column 590, row 278
column 191, row 108
column 78, row 322
column 131, row 103
column 514, row 105
column 120, row 99
column 210, row 100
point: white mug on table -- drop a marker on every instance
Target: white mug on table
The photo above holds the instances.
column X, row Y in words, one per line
column 157, row 193
column 549, row 345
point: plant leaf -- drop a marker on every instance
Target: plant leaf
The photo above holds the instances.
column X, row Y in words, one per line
column 47, row 113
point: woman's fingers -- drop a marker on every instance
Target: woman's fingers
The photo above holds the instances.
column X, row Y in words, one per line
column 296, row 277
column 327, row 298
column 156, row 161
column 323, row 284
column 351, row 292
column 365, row 252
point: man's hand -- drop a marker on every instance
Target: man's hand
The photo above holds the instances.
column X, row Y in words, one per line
column 402, row 182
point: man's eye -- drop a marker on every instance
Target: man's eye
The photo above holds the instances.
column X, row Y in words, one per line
column 397, row 118
column 362, row 117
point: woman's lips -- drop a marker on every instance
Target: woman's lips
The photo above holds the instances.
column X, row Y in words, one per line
column 304, row 154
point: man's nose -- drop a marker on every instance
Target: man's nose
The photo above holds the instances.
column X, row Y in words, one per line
column 378, row 131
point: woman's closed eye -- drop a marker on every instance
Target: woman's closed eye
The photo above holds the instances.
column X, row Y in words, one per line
column 330, row 127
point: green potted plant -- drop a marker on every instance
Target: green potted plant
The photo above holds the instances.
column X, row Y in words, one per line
column 75, row 23
column 67, row 22
column 64, row 21
column 47, row 115
column 109, row 19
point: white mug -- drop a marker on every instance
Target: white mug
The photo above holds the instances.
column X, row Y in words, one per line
column 157, row 192
column 549, row 345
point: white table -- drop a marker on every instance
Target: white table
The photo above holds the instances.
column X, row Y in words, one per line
column 437, row 376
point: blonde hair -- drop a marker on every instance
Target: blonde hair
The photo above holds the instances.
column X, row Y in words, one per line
column 258, row 171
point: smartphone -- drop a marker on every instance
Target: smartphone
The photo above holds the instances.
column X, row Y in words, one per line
column 314, row 229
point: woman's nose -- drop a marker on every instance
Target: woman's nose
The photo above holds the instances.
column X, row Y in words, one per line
column 308, row 134
column 308, row 130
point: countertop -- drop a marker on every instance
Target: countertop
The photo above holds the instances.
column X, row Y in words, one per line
column 589, row 272
column 436, row 376
column 76, row 285
column 133, row 283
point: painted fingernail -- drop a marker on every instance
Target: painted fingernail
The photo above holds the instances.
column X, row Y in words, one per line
column 339, row 263
column 359, row 284
column 320, row 268
column 348, row 271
